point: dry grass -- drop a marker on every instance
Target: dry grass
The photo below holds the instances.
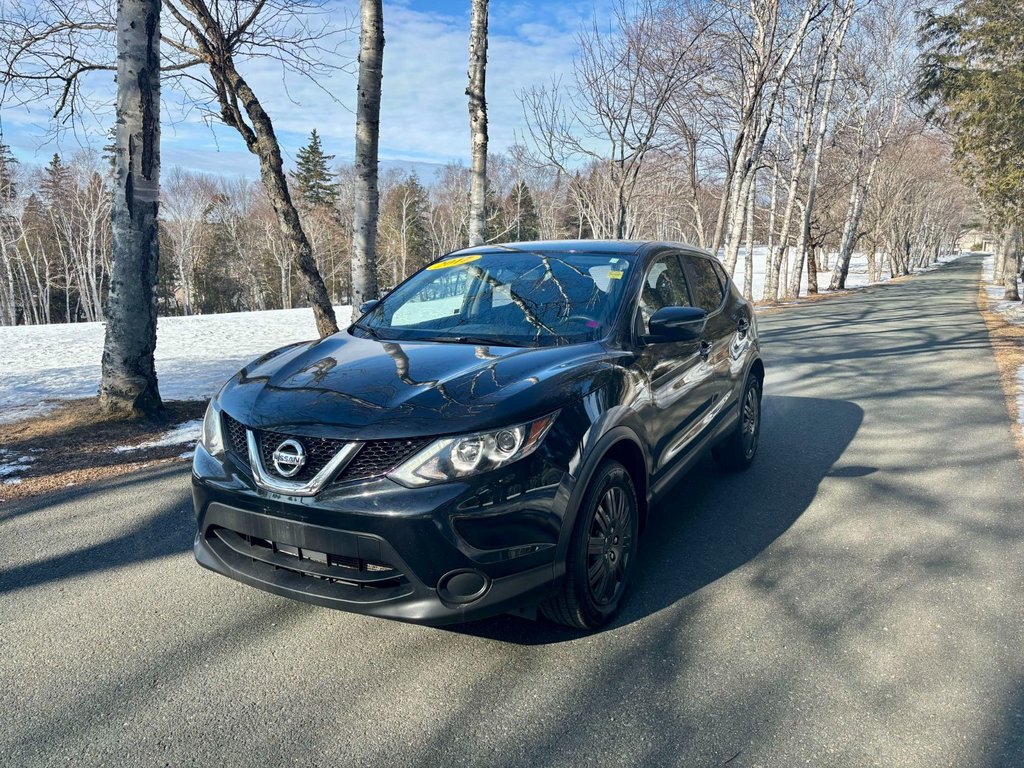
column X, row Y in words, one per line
column 75, row 444
column 1008, row 345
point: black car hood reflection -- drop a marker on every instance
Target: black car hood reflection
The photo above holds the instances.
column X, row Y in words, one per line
column 350, row 387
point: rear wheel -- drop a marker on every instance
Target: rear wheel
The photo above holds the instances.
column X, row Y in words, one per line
column 738, row 449
column 601, row 554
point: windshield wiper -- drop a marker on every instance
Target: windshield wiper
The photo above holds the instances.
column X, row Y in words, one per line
column 472, row 340
column 374, row 333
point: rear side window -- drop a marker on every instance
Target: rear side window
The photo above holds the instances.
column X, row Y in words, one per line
column 664, row 286
column 722, row 277
column 707, row 291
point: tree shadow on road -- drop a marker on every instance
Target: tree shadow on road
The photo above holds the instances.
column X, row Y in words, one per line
column 167, row 532
column 714, row 522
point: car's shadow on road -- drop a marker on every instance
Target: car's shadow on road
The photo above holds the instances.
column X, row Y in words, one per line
column 714, row 522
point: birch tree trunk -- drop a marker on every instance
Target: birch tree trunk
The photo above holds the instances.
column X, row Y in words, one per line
column 478, row 121
column 1011, row 265
column 748, row 244
column 858, row 194
column 812, row 184
column 723, row 208
column 128, row 385
column 758, row 107
column 364, row 225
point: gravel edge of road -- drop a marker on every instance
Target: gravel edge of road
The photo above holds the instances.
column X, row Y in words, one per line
column 1007, row 342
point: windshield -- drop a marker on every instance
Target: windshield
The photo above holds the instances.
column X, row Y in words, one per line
column 511, row 298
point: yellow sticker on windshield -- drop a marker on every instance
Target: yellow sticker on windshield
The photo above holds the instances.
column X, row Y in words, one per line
column 615, row 274
column 458, row 260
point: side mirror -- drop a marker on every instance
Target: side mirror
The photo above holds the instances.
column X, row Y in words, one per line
column 677, row 324
column 368, row 306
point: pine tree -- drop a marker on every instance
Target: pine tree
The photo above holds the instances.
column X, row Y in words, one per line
column 55, row 180
column 7, row 164
column 316, row 182
column 572, row 224
column 110, row 149
column 498, row 224
column 526, row 222
column 973, row 73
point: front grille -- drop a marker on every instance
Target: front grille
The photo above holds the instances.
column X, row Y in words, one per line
column 380, row 456
column 319, row 451
column 374, row 459
column 237, row 438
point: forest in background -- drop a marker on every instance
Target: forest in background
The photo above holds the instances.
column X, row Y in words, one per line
column 657, row 135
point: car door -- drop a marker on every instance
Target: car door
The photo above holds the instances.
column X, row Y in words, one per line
column 681, row 380
column 710, row 295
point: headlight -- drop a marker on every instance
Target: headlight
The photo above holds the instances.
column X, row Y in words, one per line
column 213, row 433
column 450, row 458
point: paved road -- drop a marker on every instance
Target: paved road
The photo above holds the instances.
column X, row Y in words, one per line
column 856, row 599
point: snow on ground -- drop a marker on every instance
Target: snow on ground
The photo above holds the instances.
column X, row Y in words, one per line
column 857, row 277
column 11, row 465
column 1012, row 312
column 187, row 432
column 194, row 355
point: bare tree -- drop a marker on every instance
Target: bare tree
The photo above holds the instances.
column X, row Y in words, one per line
column 187, row 201
column 615, row 108
column 52, row 46
column 766, row 41
column 364, row 228
column 833, row 36
column 478, row 120
column 880, row 70
column 215, row 34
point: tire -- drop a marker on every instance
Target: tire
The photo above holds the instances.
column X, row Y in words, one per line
column 602, row 552
column 737, row 451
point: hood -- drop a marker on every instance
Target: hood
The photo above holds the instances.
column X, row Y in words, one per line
column 355, row 388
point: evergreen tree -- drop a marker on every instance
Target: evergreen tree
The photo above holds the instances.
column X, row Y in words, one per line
column 110, row 149
column 317, row 184
column 572, row 224
column 525, row 221
column 973, row 73
column 419, row 229
column 498, row 223
column 56, row 179
column 7, row 164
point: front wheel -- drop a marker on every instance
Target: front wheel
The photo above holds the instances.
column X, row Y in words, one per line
column 601, row 554
column 738, row 449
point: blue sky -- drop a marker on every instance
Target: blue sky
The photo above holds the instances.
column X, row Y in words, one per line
column 423, row 115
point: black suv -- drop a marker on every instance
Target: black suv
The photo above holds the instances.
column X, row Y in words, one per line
column 486, row 438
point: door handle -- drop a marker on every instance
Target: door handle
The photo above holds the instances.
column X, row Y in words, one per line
column 705, row 349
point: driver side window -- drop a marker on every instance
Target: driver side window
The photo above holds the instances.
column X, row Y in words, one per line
column 663, row 286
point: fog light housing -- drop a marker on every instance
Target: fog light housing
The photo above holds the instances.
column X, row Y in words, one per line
column 463, row 586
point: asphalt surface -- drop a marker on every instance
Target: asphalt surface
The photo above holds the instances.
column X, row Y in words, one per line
column 855, row 599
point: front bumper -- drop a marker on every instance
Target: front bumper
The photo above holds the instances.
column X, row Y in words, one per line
column 437, row 555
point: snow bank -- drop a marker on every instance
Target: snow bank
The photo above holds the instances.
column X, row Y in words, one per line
column 188, row 432
column 857, row 277
column 194, row 355
column 1011, row 311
